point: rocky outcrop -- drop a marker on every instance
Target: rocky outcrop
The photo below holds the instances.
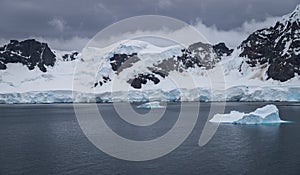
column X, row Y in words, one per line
column 277, row 46
column 30, row 53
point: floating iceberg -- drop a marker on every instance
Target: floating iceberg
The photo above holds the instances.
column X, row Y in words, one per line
column 266, row 115
column 151, row 105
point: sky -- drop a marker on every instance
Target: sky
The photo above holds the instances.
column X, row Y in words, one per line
column 69, row 24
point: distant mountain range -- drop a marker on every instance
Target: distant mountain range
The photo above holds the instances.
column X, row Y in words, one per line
column 268, row 57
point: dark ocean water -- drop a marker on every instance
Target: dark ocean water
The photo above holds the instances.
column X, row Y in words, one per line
column 47, row 139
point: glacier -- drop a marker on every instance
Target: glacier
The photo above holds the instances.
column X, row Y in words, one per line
column 151, row 105
column 268, row 114
column 233, row 94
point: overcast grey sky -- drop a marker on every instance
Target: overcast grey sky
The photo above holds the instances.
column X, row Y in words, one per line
column 65, row 19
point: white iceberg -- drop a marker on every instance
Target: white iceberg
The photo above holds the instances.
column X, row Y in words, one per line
column 150, row 105
column 268, row 114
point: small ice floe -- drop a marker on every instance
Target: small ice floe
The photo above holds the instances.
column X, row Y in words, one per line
column 268, row 114
column 150, row 105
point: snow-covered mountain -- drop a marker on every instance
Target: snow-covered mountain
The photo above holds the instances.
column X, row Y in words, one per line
column 146, row 66
column 277, row 48
column 32, row 66
column 265, row 67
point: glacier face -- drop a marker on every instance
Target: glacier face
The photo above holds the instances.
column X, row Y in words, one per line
column 268, row 114
column 233, row 94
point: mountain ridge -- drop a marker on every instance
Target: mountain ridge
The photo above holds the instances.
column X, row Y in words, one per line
column 268, row 57
column 278, row 46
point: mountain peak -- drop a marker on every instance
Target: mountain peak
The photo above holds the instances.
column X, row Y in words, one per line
column 276, row 47
column 297, row 10
column 294, row 16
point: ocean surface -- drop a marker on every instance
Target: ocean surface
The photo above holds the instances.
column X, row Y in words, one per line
column 47, row 139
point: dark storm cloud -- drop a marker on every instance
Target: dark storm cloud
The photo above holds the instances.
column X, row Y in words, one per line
column 84, row 18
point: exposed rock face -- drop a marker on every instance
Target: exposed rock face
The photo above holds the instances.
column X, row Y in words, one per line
column 30, row 53
column 277, row 46
column 122, row 61
column 143, row 79
column 104, row 80
column 70, row 57
column 222, row 50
